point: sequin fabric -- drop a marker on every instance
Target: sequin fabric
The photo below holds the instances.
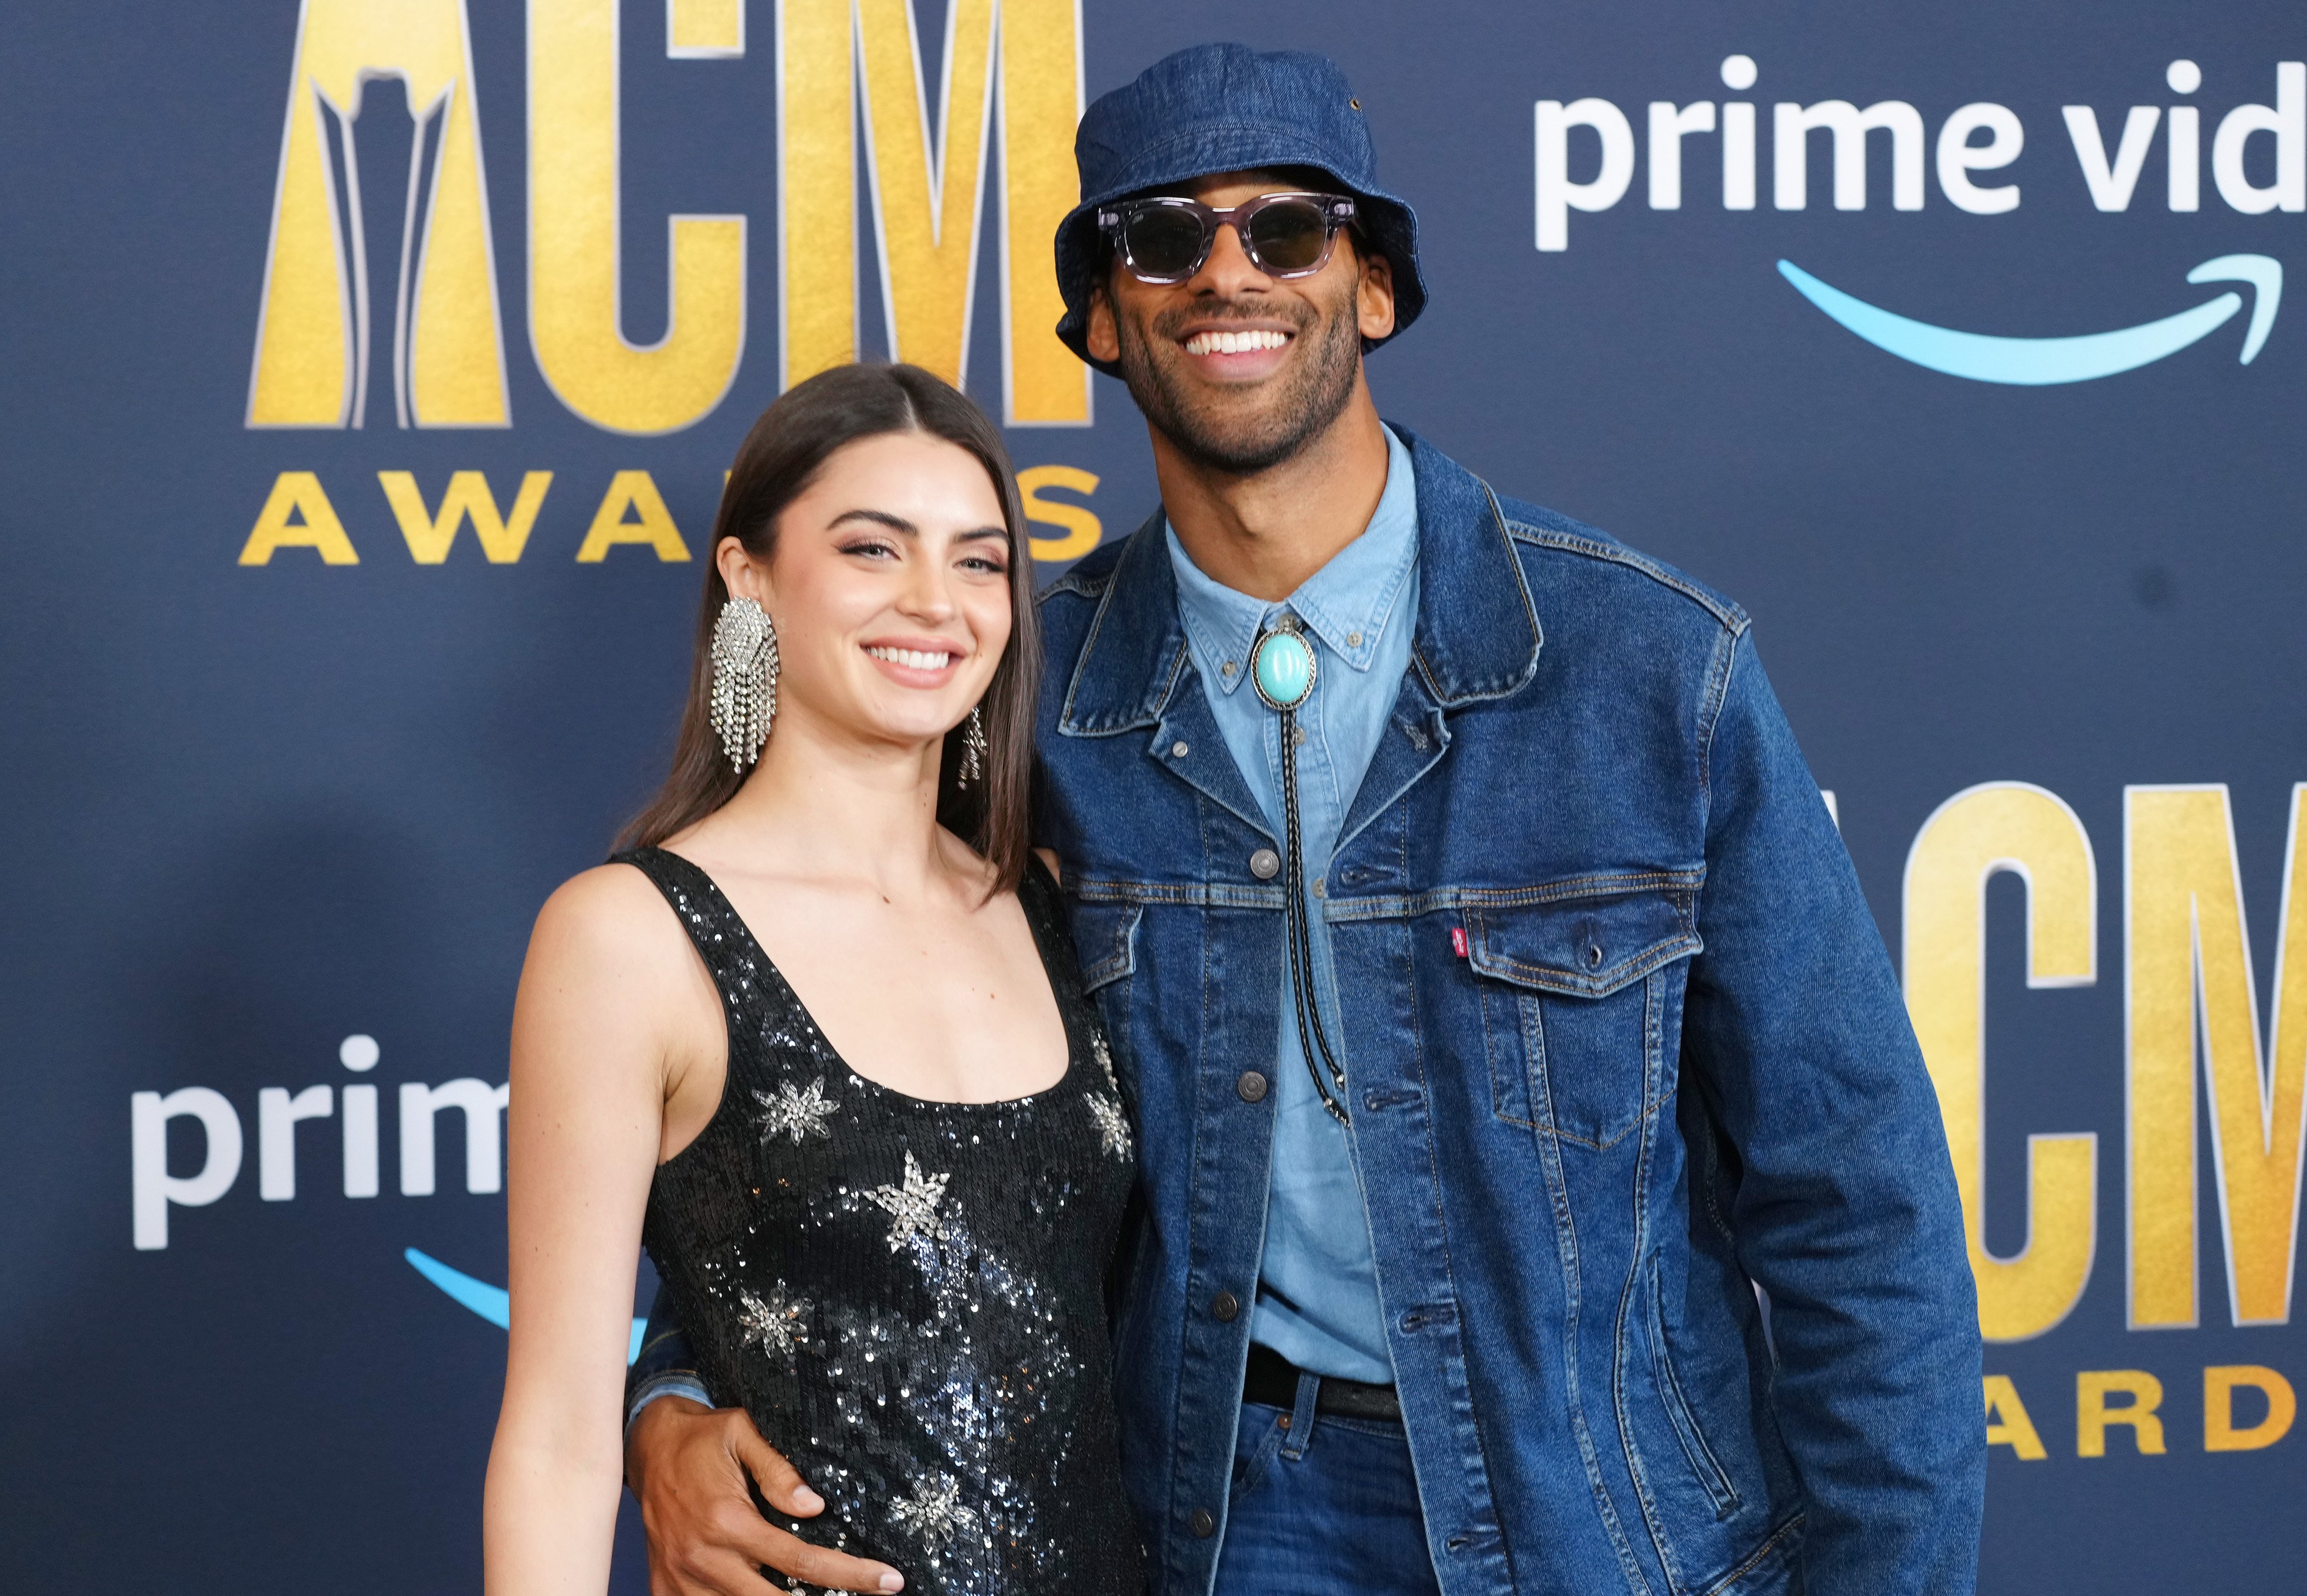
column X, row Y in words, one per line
column 907, row 1296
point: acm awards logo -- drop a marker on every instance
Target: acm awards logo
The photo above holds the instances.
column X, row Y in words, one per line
column 1973, row 139
column 1010, row 95
column 998, row 160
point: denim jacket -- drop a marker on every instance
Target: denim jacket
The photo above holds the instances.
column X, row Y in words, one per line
column 1623, row 1045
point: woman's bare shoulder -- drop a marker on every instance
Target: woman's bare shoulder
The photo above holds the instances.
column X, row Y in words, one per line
column 611, row 914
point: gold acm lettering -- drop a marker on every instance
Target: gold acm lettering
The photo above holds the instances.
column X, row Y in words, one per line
column 1082, row 528
column 632, row 493
column 429, row 536
column 1014, row 62
column 704, row 30
column 2095, row 1414
column 2007, row 1423
column 2221, row 1433
column 317, row 527
column 2190, row 996
column 1973, row 835
column 575, row 284
column 313, row 336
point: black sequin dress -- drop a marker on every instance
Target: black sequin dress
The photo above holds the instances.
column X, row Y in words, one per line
column 908, row 1295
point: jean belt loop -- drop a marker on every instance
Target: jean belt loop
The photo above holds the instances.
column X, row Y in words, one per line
column 1302, row 1417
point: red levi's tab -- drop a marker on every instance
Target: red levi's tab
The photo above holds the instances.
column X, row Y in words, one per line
column 1458, row 940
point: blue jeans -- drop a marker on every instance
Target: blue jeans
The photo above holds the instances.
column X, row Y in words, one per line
column 1322, row 1506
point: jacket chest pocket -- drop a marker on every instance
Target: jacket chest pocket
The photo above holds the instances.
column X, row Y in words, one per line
column 1105, row 942
column 1576, row 999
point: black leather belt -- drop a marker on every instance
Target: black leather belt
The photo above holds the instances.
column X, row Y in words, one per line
column 1272, row 1381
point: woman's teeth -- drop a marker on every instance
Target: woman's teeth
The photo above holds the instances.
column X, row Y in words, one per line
column 913, row 657
column 1234, row 343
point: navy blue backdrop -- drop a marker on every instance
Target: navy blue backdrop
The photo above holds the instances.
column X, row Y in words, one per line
column 266, row 800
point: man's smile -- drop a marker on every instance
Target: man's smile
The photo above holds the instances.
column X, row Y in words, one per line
column 1235, row 352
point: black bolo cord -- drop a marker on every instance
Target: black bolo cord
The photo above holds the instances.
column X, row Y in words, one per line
column 1311, row 1037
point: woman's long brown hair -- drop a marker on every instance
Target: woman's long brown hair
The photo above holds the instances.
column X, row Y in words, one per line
column 775, row 464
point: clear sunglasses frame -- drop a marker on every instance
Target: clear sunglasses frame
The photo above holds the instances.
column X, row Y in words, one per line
column 1335, row 211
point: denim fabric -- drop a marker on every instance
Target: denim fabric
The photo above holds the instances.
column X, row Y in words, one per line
column 1322, row 1506
column 666, row 1366
column 1225, row 108
column 1622, row 1043
column 1318, row 1284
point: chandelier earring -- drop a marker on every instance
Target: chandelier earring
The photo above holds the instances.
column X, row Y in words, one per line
column 973, row 750
column 745, row 680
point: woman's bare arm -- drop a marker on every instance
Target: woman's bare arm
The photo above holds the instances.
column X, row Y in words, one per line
column 597, row 1026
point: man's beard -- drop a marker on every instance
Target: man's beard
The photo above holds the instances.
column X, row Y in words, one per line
column 1309, row 398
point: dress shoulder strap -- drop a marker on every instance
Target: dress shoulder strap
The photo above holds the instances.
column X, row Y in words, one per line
column 1038, row 888
column 720, row 936
column 1043, row 901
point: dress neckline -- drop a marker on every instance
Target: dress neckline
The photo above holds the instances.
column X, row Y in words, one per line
column 903, row 1099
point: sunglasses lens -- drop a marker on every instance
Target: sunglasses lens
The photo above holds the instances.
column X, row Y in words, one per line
column 1163, row 240
column 1289, row 236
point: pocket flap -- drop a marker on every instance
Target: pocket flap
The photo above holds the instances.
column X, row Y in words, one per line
column 1105, row 939
column 1585, row 947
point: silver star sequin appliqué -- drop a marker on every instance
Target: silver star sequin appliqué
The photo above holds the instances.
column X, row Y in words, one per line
column 1112, row 1126
column 1104, row 1056
column 774, row 1323
column 934, row 1512
column 913, row 1209
column 796, row 1111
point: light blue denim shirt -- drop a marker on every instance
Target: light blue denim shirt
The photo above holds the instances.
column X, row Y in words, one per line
column 1317, row 1301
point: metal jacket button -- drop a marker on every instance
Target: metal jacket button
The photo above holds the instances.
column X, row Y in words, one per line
column 1266, row 865
column 1251, row 1086
column 1204, row 1525
column 1225, row 1305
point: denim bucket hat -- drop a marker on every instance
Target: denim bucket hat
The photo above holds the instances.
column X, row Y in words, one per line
column 1226, row 108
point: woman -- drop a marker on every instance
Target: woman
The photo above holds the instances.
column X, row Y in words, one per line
column 828, row 1060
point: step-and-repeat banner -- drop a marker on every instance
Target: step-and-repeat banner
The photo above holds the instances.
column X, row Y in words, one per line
column 369, row 371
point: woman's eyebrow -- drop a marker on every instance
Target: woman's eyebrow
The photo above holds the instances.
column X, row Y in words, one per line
column 879, row 517
column 1001, row 533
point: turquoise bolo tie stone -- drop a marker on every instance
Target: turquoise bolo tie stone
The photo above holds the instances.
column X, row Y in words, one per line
column 1283, row 669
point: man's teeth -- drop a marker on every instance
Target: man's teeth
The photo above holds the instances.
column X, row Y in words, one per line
column 1234, row 343
column 913, row 657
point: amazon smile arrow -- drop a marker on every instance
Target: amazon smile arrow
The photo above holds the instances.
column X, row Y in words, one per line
column 492, row 1303
column 1982, row 358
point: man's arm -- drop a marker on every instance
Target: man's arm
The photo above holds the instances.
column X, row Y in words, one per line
column 689, row 1464
column 666, row 1366
column 1844, row 1208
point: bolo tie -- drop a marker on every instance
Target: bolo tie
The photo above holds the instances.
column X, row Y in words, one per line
column 1281, row 670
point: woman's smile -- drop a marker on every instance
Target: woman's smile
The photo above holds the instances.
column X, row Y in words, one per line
column 919, row 662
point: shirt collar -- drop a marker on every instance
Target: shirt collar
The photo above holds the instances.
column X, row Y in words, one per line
column 1347, row 603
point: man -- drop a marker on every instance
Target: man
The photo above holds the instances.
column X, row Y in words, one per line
column 1498, row 1005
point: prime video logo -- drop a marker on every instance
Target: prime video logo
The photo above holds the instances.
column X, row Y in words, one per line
column 155, row 1189
column 1973, row 139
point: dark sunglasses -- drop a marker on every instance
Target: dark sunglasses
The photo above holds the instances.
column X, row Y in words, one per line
column 1166, row 240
